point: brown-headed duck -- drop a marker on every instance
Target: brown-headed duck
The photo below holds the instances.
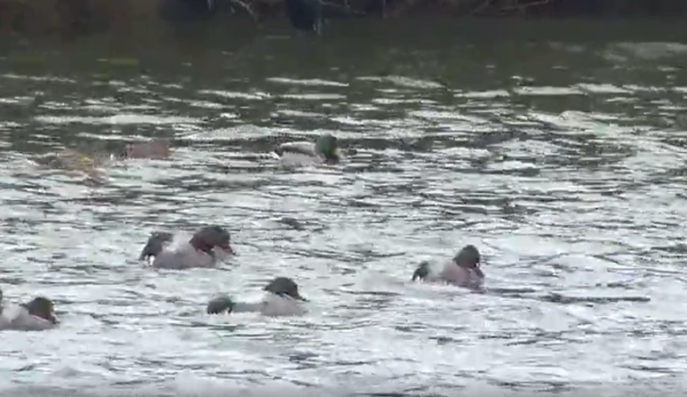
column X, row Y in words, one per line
column 463, row 270
column 36, row 315
column 206, row 247
column 281, row 298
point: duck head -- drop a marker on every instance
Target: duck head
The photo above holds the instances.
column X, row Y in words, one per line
column 156, row 243
column 469, row 258
column 209, row 237
column 285, row 287
column 43, row 308
column 327, row 146
column 220, row 304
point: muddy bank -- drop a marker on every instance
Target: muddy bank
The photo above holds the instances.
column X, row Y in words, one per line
column 76, row 17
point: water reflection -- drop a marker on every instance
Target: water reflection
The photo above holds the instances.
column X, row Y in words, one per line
column 566, row 169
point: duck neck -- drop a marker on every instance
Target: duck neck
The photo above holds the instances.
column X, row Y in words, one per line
column 470, row 268
column 283, row 295
column 199, row 245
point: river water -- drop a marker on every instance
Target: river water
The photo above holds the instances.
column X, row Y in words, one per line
column 562, row 160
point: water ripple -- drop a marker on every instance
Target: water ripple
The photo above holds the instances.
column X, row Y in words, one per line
column 572, row 187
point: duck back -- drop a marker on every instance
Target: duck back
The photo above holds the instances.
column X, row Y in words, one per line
column 297, row 154
column 276, row 305
column 17, row 318
column 460, row 276
column 5, row 322
column 179, row 254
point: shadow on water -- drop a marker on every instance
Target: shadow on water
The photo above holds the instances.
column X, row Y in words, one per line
column 562, row 158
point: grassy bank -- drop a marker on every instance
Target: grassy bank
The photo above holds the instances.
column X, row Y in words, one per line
column 77, row 17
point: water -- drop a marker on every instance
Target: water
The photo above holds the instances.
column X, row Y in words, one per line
column 563, row 160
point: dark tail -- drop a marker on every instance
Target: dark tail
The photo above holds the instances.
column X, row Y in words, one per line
column 220, row 304
column 421, row 272
column 155, row 245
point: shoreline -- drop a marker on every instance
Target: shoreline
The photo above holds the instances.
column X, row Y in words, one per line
column 120, row 17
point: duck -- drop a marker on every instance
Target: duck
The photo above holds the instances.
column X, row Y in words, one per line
column 282, row 298
column 325, row 150
column 157, row 149
column 463, row 270
column 35, row 315
column 77, row 163
column 208, row 246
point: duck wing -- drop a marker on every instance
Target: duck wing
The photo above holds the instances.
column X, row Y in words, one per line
column 184, row 257
column 303, row 147
column 19, row 319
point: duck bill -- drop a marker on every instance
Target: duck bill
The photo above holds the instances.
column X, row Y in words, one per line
column 300, row 298
column 227, row 249
column 478, row 271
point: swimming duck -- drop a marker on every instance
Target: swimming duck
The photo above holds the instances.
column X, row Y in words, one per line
column 463, row 270
column 36, row 315
column 324, row 150
column 281, row 299
column 145, row 150
column 205, row 248
column 77, row 163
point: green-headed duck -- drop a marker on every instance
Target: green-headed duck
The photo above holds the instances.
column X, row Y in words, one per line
column 324, row 151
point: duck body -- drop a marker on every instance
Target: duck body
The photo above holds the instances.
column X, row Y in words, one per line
column 281, row 298
column 205, row 249
column 303, row 148
column 19, row 319
column 183, row 256
column 463, row 270
column 280, row 305
column 271, row 305
column 36, row 315
column 448, row 273
column 323, row 151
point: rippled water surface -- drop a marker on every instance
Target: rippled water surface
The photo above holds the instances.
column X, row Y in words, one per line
column 563, row 161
